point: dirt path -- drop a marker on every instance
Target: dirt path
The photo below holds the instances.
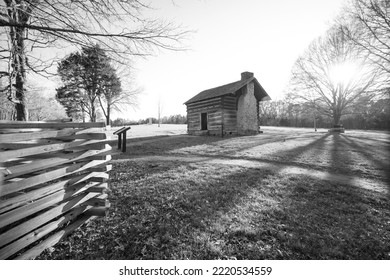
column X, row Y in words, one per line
column 355, row 181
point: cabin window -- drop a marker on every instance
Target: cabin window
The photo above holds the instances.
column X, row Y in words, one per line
column 203, row 121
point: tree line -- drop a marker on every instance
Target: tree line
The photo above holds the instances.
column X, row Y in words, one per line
column 173, row 119
column 291, row 114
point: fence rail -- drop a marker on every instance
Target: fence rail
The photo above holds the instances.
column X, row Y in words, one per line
column 53, row 178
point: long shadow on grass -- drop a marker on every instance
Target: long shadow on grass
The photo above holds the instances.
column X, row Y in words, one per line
column 214, row 212
column 329, row 144
column 167, row 215
column 339, row 154
column 332, row 152
column 206, row 216
column 338, row 221
column 316, row 144
column 250, row 142
column 371, row 156
column 289, row 156
column 162, row 145
column 381, row 141
column 171, row 219
column 332, row 221
column 201, row 211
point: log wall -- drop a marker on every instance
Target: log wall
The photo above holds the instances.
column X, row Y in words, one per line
column 221, row 113
column 230, row 115
column 53, row 178
column 214, row 117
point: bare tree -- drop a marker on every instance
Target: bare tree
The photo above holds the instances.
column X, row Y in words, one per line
column 367, row 24
column 272, row 111
column 333, row 76
column 7, row 110
column 125, row 100
column 120, row 98
column 42, row 108
column 118, row 26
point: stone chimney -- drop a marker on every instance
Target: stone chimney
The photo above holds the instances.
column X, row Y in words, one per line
column 246, row 75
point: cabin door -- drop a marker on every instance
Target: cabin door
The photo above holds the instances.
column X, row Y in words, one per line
column 203, row 121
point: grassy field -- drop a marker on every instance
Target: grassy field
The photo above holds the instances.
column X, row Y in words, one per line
column 187, row 197
column 151, row 130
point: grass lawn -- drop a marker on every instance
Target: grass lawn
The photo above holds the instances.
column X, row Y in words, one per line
column 173, row 209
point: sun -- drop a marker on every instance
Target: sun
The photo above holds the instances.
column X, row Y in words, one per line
column 344, row 73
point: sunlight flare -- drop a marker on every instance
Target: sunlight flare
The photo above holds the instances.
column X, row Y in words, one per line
column 344, row 73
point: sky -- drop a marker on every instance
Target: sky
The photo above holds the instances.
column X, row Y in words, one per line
column 230, row 36
column 260, row 36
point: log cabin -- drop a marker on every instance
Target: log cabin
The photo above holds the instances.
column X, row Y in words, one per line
column 231, row 109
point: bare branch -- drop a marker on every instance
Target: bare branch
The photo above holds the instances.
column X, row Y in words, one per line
column 35, row 24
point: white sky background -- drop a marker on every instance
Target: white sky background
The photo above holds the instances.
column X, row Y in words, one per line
column 232, row 36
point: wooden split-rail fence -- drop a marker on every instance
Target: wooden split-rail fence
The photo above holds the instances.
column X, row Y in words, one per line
column 53, row 178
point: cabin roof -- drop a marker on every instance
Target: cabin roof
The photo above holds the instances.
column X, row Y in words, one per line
column 232, row 88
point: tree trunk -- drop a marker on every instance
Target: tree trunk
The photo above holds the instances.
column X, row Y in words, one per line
column 92, row 110
column 19, row 13
column 336, row 117
column 19, row 73
column 93, row 113
column 20, row 94
column 108, row 114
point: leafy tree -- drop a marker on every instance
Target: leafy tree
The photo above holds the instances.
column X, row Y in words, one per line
column 87, row 76
column 117, row 25
column 74, row 102
column 333, row 76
